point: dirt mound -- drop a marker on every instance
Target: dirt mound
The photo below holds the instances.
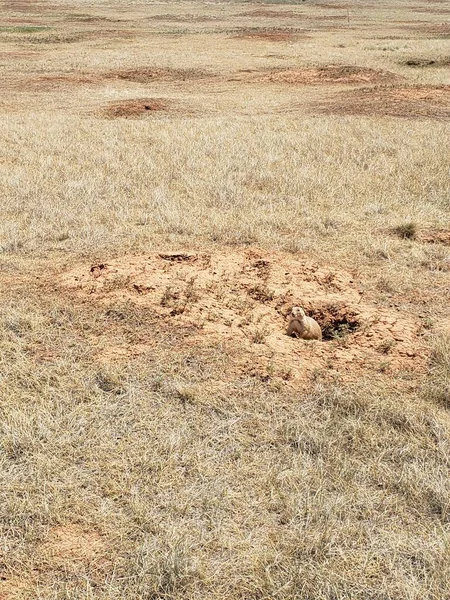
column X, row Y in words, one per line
column 340, row 17
column 243, row 299
column 432, row 101
column 426, row 62
column 272, row 35
column 49, row 82
column 434, row 236
column 328, row 74
column 86, row 18
column 148, row 74
column 437, row 30
column 331, row 5
column 259, row 12
column 429, row 9
column 141, row 75
column 132, row 109
column 425, row 235
column 188, row 18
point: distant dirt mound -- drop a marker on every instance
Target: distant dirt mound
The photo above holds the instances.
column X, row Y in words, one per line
column 432, row 101
column 187, row 18
column 430, row 9
column 329, row 74
column 273, row 35
column 331, row 5
column 260, row 12
column 436, row 30
column 140, row 75
column 433, row 235
column 422, row 62
column 132, row 109
column 148, row 74
column 242, row 300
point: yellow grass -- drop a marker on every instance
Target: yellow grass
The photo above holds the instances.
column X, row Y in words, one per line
column 187, row 468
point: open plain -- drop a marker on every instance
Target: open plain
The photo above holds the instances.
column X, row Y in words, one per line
column 175, row 176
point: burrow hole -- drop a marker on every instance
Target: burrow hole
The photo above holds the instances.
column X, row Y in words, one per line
column 336, row 320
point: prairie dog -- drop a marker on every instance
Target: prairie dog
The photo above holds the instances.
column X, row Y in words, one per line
column 302, row 326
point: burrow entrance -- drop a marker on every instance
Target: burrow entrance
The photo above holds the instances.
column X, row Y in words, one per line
column 132, row 109
column 336, row 320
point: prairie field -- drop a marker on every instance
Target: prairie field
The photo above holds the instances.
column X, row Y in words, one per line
column 175, row 176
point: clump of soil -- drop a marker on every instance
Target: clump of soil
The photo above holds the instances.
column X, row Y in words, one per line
column 329, row 74
column 432, row 101
column 242, row 299
column 132, row 109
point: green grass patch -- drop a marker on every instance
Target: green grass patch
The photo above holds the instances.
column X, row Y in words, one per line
column 24, row 29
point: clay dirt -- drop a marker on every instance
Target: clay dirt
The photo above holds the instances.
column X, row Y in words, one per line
column 175, row 177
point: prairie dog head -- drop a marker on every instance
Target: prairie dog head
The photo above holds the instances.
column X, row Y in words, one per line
column 297, row 313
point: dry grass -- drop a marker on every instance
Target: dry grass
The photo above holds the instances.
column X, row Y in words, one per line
column 160, row 436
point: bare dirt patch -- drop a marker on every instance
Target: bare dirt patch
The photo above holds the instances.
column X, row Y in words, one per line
column 13, row 587
column 242, row 299
column 68, row 548
column 71, row 547
column 395, row 101
column 133, row 109
column 340, row 74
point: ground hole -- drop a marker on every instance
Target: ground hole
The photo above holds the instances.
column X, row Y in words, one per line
column 129, row 109
column 336, row 320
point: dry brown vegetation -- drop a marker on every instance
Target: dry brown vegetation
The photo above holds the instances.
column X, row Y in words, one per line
column 174, row 178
